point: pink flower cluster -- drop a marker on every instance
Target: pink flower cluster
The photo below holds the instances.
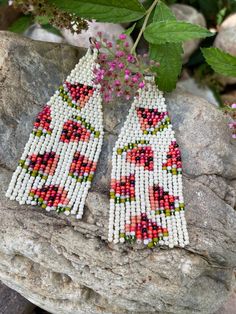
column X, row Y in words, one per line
column 232, row 125
column 120, row 73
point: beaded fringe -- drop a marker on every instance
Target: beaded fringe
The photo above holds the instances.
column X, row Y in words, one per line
column 60, row 158
column 146, row 199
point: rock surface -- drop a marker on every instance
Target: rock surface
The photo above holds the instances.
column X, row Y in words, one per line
column 109, row 30
column 226, row 40
column 66, row 266
column 12, row 302
column 189, row 14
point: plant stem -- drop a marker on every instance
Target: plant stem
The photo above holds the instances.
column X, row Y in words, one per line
column 144, row 25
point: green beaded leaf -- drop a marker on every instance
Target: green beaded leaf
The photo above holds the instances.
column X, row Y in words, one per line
column 220, row 61
column 173, row 31
column 103, row 10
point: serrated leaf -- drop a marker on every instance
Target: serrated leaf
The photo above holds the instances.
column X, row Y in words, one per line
column 129, row 30
column 169, row 57
column 163, row 13
column 220, row 61
column 103, row 10
column 21, row 24
column 173, row 31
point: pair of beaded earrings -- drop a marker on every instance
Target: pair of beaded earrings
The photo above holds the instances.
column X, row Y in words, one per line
column 60, row 158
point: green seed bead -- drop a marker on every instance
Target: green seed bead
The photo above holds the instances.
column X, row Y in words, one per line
column 127, row 238
column 150, row 245
column 119, row 151
column 39, row 133
column 132, row 239
column 90, row 177
column 44, row 206
column 97, row 134
column 122, row 235
column 167, row 213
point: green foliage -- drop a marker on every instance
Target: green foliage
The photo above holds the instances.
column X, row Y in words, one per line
column 173, row 31
column 103, row 10
column 220, row 61
column 153, row 19
column 3, row 2
column 163, row 13
column 48, row 27
column 20, row 25
column 129, row 30
column 168, row 55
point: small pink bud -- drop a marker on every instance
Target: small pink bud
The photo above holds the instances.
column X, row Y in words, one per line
column 117, row 82
column 130, row 58
column 120, row 53
column 233, row 106
column 97, row 45
column 121, row 65
column 134, row 79
column 122, row 36
column 234, row 135
column 141, row 85
column 109, row 44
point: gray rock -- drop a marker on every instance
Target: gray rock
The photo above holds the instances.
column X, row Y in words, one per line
column 66, row 266
column 36, row 32
column 190, row 85
column 226, row 40
column 110, row 31
column 12, row 302
column 191, row 15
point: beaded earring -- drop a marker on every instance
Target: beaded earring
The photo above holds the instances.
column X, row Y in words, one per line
column 60, row 157
column 146, row 199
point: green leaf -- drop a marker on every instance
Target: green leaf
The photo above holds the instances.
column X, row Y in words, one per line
column 51, row 29
column 129, row 30
column 163, row 13
column 3, row 2
column 220, row 61
column 21, row 24
column 103, row 10
column 169, row 56
column 220, row 15
column 42, row 19
column 173, row 31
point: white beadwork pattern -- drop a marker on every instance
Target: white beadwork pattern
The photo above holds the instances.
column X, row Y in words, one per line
column 146, row 198
column 60, row 157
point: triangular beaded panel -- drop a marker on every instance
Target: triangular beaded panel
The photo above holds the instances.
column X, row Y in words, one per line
column 60, row 158
column 146, row 199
